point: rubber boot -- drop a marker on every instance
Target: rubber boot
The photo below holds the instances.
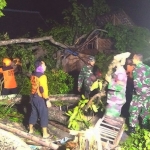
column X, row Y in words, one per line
column 31, row 128
column 45, row 133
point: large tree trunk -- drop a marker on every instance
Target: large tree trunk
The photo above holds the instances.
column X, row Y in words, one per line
column 60, row 131
column 57, row 115
column 66, row 98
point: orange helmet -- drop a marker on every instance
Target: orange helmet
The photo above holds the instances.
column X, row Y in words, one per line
column 6, row 61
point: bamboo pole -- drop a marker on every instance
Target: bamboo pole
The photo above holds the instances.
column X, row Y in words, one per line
column 38, row 140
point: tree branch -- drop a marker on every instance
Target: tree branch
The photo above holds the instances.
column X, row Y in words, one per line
column 34, row 40
column 91, row 34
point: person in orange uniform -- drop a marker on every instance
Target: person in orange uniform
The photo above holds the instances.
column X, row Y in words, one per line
column 130, row 68
column 10, row 85
column 39, row 99
column 129, row 71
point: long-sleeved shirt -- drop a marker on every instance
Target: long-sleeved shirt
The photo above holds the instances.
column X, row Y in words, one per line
column 141, row 78
column 85, row 77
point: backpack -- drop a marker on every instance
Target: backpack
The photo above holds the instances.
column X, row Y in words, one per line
column 35, row 84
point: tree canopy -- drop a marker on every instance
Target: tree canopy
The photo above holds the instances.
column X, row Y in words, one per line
column 79, row 20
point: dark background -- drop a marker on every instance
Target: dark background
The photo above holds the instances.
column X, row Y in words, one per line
column 138, row 10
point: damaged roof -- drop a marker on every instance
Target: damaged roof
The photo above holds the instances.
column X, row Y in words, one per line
column 116, row 17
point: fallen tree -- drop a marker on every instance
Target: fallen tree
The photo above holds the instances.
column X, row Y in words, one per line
column 41, row 141
column 10, row 141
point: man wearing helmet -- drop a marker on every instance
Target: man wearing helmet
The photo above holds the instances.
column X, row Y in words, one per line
column 10, row 85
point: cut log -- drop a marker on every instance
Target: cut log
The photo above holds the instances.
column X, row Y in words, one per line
column 59, row 131
column 67, row 98
column 57, row 115
column 16, row 98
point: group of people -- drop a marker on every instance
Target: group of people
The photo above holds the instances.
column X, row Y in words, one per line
column 39, row 92
column 136, row 74
column 116, row 95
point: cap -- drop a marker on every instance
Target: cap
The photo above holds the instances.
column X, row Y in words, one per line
column 91, row 58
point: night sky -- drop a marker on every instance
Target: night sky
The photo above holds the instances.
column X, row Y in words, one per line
column 138, row 10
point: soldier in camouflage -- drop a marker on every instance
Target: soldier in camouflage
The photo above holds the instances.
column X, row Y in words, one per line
column 140, row 103
column 117, row 86
column 116, row 92
column 86, row 77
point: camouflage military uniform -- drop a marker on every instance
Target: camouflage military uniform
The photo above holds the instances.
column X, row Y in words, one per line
column 140, row 103
column 85, row 79
column 116, row 93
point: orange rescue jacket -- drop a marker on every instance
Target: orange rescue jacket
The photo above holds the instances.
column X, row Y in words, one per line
column 9, row 77
column 39, row 85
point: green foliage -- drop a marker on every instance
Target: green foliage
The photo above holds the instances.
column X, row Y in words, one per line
column 63, row 34
column 10, row 114
column 138, row 141
column 103, row 61
column 24, row 84
column 133, row 39
column 2, row 5
column 78, row 120
column 97, row 85
column 78, row 20
column 22, row 52
column 48, row 59
column 59, row 82
column 26, row 56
